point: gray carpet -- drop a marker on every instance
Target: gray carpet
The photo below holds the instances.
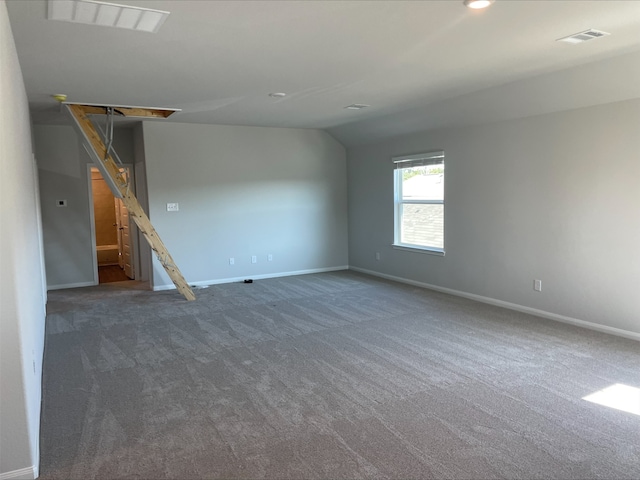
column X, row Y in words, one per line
column 335, row 375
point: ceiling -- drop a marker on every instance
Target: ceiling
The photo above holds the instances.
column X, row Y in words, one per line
column 419, row 64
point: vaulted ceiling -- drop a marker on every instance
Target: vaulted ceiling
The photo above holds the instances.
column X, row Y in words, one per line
column 418, row 64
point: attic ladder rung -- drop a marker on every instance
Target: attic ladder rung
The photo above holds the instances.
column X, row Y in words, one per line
column 120, row 188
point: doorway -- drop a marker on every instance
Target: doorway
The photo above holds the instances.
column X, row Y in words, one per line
column 114, row 242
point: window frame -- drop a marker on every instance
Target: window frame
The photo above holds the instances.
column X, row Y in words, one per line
column 435, row 157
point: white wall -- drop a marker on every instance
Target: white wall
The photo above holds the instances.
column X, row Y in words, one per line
column 62, row 163
column 143, row 263
column 553, row 197
column 246, row 191
column 67, row 230
column 286, row 198
column 22, row 302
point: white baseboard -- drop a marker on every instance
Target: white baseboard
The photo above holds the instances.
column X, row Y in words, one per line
column 29, row 473
column 206, row 283
column 69, row 285
column 511, row 306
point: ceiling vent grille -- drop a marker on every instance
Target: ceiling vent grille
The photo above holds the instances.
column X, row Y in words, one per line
column 583, row 36
column 107, row 14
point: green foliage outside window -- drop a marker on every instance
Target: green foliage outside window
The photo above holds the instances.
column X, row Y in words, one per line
column 408, row 173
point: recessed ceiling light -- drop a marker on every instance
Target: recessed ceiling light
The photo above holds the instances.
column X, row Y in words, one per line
column 356, row 106
column 477, row 4
column 278, row 95
column 107, row 14
column 583, row 36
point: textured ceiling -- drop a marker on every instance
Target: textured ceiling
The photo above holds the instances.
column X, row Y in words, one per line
column 419, row 64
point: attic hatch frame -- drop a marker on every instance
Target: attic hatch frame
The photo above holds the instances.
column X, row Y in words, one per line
column 119, row 183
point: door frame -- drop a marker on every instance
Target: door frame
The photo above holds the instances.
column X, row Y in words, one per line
column 133, row 228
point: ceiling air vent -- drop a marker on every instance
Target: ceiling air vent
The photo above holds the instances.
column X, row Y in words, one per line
column 583, row 36
column 107, row 14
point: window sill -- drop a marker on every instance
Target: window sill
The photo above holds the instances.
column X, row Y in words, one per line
column 428, row 250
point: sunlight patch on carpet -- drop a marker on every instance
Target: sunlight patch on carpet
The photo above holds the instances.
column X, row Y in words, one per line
column 618, row 396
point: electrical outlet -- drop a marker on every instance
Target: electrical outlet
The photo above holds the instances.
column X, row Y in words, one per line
column 61, row 203
column 537, row 285
column 377, row 255
column 270, row 258
column 172, row 207
column 232, row 261
column 254, row 259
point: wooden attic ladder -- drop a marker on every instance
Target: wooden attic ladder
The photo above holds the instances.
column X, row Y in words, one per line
column 119, row 183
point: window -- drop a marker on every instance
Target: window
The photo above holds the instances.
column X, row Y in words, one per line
column 419, row 202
